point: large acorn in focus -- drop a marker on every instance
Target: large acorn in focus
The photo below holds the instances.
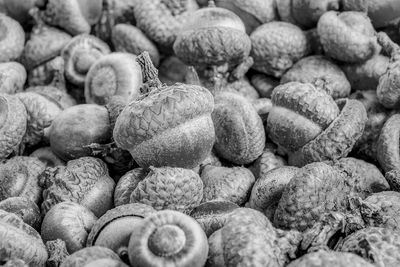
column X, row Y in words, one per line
column 168, row 125
column 214, row 36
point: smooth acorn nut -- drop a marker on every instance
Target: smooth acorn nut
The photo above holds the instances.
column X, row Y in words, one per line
column 113, row 74
column 106, row 263
column 12, row 77
column 305, row 13
column 253, row 13
column 168, row 238
column 126, row 184
column 114, row 228
column 229, row 184
column 13, row 39
column 84, row 181
column 347, row 36
column 212, row 215
column 129, row 39
column 171, row 18
column 240, row 136
column 80, row 54
column 13, row 118
column 169, row 125
column 312, row 68
column 268, row 189
column 69, row 222
column 26, row 209
column 365, row 76
column 276, row 46
column 88, row 255
column 74, row 16
column 47, row 156
column 20, row 178
column 338, row 139
column 169, row 188
column 20, row 241
column 77, row 127
column 214, row 36
column 19, row 9
column 300, row 113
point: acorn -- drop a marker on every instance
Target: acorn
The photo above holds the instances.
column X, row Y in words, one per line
column 26, row 209
column 13, row 40
column 12, row 77
column 88, row 255
column 47, row 156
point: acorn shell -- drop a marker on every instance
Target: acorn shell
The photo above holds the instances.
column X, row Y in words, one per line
column 169, row 188
column 114, row 228
column 12, row 77
column 276, row 46
column 41, row 112
column 171, row 17
column 214, row 36
column 388, row 152
column 299, row 114
column 240, row 137
column 77, row 127
column 54, row 94
column 229, row 184
column 113, row 74
column 106, row 263
column 74, row 16
column 45, row 73
column 84, row 181
column 168, row 238
column 347, row 36
column 338, row 139
column 13, row 39
column 69, row 222
column 126, row 184
column 129, row 39
column 21, row 241
column 13, row 124
column 26, row 209
column 171, row 126
column 88, row 255
column 20, row 178
column 80, row 54
column 309, row 69
column 268, row 189
column 376, row 245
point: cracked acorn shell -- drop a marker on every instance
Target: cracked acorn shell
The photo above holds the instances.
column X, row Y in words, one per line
column 322, row 258
column 338, row 139
column 276, row 46
column 228, row 184
column 305, row 13
column 87, row 255
column 84, row 181
column 365, row 76
column 20, row 178
column 168, row 238
column 13, row 118
column 347, row 36
column 20, row 241
column 253, row 13
column 268, row 189
column 12, row 77
column 214, row 36
column 212, row 215
column 377, row 245
column 77, row 127
column 312, row 68
column 169, row 188
column 74, row 16
column 316, row 189
column 13, row 39
column 129, row 39
column 24, row 208
column 69, row 222
column 388, row 152
column 113, row 74
column 113, row 229
column 171, row 17
column 299, row 114
column 240, row 136
column 79, row 54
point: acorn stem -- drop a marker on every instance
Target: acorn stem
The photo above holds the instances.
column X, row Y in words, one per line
column 211, row 3
column 240, row 71
column 59, row 78
column 150, row 73
column 57, row 251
